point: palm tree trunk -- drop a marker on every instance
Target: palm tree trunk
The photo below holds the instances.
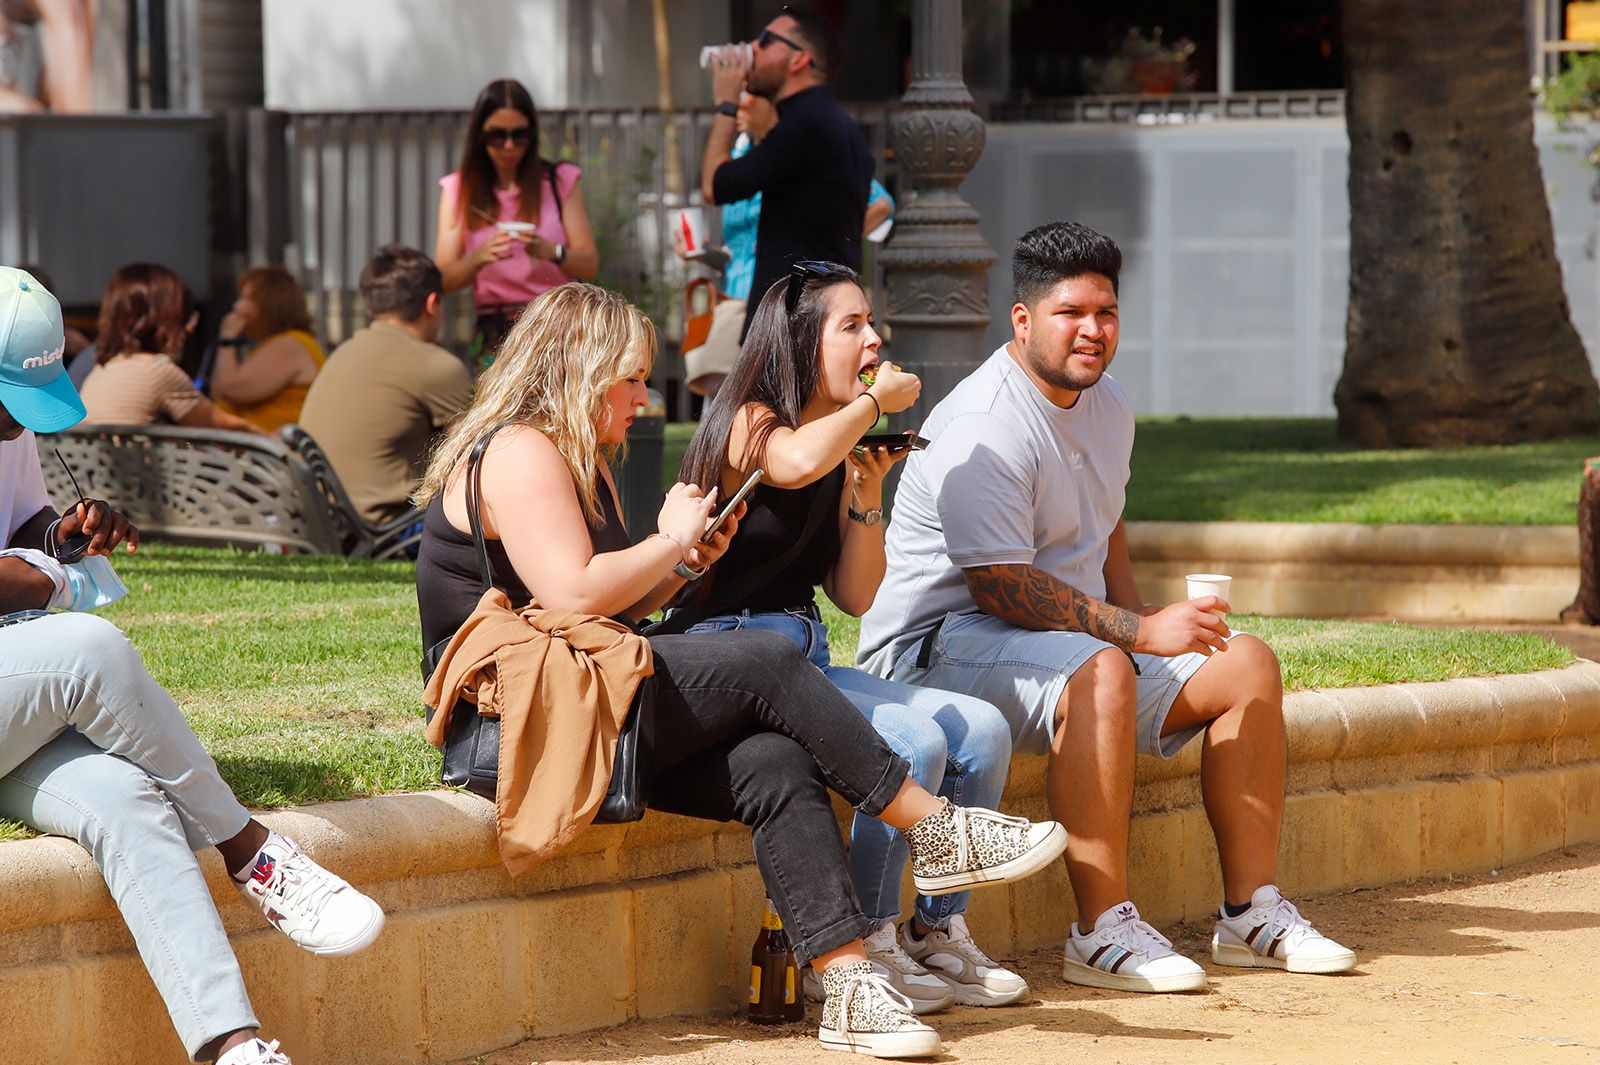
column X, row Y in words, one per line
column 1458, row 328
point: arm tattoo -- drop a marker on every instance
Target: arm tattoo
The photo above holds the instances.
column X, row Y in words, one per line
column 1030, row 598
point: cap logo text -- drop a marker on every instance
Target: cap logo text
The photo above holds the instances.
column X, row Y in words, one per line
column 44, row 360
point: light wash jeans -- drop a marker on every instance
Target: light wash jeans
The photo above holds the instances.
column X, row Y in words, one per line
column 958, row 746
column 92, row 748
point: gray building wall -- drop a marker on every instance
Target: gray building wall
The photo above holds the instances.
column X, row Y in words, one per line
column 1236, row 248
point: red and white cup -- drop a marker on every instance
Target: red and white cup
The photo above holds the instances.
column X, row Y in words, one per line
column 692, row 229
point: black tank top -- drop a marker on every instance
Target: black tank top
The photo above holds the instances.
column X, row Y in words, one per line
column 448, row 583
column 776, row 517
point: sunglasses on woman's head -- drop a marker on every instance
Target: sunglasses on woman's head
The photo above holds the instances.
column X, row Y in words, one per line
column 504, row 135
column 804, row 270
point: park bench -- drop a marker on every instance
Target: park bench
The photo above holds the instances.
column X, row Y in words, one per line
column 210, row 486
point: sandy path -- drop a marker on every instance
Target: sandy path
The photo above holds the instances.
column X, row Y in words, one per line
column 1476, row 969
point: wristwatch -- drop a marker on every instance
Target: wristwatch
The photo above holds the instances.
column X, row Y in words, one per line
column 729, row 108
column 561, row 254
column 868, row 518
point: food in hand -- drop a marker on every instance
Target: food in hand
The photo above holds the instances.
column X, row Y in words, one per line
column 870, row 375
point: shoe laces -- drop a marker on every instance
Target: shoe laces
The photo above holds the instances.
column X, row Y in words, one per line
column 267, row 1054
column 885, row 949
column 869, row 984
column 298, row 883
column 1139, row 936
column 959, row 939
column 961, row 815
column 1286, row 916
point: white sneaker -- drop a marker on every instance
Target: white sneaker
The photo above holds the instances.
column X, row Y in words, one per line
column 926, row 991
column 1271, row 934
column 1124, row 953
column 255, row 1052
column 318, row 911
column 976, row 979
column 960, row 847
column 864, row 1014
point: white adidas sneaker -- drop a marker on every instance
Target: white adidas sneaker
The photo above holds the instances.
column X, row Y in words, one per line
column 1271, row 934
column 1124, row 953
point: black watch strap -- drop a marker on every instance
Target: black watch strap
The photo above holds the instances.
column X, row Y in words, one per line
column 729, row 108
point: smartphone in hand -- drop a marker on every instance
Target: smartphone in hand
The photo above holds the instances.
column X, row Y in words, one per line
column 737, row 498
column 894, row 441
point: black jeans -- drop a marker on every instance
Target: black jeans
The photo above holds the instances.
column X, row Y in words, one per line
column 745, row 729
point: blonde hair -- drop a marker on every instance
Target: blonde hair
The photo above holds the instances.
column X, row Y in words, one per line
column 552, row 373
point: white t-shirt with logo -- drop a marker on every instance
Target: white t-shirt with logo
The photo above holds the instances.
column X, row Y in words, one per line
column 22, row 492
column 1009, row 478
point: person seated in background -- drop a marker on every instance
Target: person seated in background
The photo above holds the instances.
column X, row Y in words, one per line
column 146, row 317
column 389, row 389
column 93, row 749
column 266, row 355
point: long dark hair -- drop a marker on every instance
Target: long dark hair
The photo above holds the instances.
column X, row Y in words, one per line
column 779, row 367
column 146, row 308
column 477, row 172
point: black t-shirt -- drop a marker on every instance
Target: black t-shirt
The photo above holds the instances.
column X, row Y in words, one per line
column 448, row 582
column 814, row 172
column 775, row 518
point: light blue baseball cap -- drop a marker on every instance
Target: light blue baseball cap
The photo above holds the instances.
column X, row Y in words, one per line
column 34, row 386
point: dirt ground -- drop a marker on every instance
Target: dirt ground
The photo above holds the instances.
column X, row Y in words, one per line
column 1488, row 968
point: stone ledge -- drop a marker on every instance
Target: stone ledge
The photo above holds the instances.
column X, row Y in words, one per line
column 1385, row 783
column 1407, row 572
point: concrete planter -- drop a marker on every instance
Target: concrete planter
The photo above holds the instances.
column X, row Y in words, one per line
column 656, row 918
column 1406, row 572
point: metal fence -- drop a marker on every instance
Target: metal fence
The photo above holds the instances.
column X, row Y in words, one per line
column 327, row 189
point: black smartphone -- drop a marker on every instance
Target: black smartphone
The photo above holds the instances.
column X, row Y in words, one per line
column 894, row 441
column 744, row 490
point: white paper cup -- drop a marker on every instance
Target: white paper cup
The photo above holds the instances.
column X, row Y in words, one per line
column 1203, row 584
column 692, row 228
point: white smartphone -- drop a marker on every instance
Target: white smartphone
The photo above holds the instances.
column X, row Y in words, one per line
column 744, row 490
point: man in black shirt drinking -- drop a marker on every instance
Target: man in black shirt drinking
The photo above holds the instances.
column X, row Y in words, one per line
column 813, row 170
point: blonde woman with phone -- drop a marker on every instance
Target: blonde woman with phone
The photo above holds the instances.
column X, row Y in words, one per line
column 740, row 727
column 797, row 403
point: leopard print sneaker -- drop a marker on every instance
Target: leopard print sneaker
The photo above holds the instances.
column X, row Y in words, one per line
column 960, row 847
column 864, row 1014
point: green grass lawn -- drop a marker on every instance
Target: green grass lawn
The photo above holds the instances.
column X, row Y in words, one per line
column 1293, row 469
column 300, row 673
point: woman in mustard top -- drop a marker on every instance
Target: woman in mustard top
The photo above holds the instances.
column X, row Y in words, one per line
column 266, row 357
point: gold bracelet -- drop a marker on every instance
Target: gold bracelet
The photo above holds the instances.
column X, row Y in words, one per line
column 682, row 554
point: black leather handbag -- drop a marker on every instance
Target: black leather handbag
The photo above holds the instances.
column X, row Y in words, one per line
column 472, row 741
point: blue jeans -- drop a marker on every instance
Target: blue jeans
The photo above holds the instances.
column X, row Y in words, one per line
column 958, row 746
column 93, row 749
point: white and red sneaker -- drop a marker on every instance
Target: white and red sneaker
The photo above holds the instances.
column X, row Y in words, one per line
column 318, row 911
column 255, row 1052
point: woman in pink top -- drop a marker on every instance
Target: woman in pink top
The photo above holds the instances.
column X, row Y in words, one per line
column 510, row 224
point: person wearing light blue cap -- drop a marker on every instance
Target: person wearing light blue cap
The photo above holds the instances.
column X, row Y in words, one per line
column 92, row 748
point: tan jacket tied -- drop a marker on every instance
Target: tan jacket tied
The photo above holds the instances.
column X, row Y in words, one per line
column 561, row 683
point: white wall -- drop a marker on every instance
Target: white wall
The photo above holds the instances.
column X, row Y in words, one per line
column 411, row 54
column 343, row 55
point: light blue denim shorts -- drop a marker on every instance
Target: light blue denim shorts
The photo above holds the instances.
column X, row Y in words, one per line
column 1023, row 672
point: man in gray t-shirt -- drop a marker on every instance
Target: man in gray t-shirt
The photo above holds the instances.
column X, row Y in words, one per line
column 1009, row 579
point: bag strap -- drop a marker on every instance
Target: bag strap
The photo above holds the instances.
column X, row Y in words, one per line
column 750, row 580
column 550, row 169
column 474, row 501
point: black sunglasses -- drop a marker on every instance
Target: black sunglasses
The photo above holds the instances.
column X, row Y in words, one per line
column 803, row 271
column 503, row 135
column 766, row 37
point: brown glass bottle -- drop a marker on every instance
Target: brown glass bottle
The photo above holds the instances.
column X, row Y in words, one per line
column 774, row 979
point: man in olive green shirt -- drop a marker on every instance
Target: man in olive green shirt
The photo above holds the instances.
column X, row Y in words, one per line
column 386, row 391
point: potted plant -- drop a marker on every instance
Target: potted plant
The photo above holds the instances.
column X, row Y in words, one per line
column 1157, row 67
